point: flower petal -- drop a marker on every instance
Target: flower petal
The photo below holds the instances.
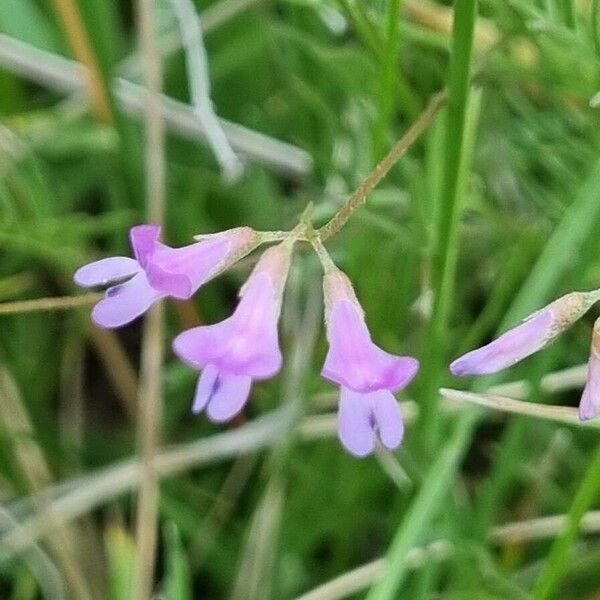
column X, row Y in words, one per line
column 355, row 427
column 354, row 361
column 172, row 284
column 511, row 347
column 103, row 272
column 253, row 348
column 230, row 393
column 388, row 418
column 204, row 388
column 144, row 239
column 198, row 262
column 123, row 303
column 201, row 346
column 244, row 344
column 589, row 407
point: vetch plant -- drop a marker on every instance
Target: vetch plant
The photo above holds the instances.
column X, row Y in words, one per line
column 245, row 347
column 534, row 333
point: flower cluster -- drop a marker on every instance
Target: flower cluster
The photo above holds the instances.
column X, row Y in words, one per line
column 245, row 347
column 534, row 333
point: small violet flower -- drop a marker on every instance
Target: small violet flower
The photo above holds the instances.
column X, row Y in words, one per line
column 242, row 348
column 589, row 407
column 366, row 374
column 533, row 334
column 159, row 271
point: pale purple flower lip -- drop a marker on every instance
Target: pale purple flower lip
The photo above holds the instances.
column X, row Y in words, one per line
column 158, row 271
column 242, row 348
column 366, row 374
column 511, row 347
column 353, row 360
column 589, row 406
column 362, row 417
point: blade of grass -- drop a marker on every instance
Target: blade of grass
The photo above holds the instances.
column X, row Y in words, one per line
column 361, row 577
column 64, row 76
column 120, row 551
column 102, row 19
column 423, row 507
column 386, row 83
column 561, row 414
column 445, row 242
column 578, row 224
column 36, row 473
column 371, row 39
column 199, row 84
column 71, row 500
column 557, row 564
column 212, row 17
column 429, row 498
column 41, row 565
column 567, row 9
column 178, row 578
column 117, row 366
column 26, row 21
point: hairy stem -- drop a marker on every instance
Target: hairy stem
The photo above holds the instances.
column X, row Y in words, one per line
column 338, row 221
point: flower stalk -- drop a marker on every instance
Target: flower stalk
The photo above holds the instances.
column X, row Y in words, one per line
column 339, row 220
column 244, row 348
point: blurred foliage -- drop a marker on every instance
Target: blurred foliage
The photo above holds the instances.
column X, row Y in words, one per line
column 311, row 73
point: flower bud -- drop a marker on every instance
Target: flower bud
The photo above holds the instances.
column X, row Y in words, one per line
column 533, row 334
column 589, row 407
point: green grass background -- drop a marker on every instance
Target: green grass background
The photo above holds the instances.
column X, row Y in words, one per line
column 494, row 212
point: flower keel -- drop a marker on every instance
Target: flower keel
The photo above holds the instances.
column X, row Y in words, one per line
column 363, row 417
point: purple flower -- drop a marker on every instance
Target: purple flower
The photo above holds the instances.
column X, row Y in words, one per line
column 242, row 348
column 159, row 271
column 535, row 332
column 589, row 407
column 366, row 374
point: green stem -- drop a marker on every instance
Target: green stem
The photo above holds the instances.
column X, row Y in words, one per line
column 388, row 68
column 326, row 262
column 557, row 563
column 438, row 479
column 399, row 149
column 596, row 25
column 445, row 242
column 370, row 38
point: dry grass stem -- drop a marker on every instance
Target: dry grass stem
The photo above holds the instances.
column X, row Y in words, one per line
column 82, row 50
column 66, row 76
column 561, row 414
column 150, row 389
column 47, row 304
